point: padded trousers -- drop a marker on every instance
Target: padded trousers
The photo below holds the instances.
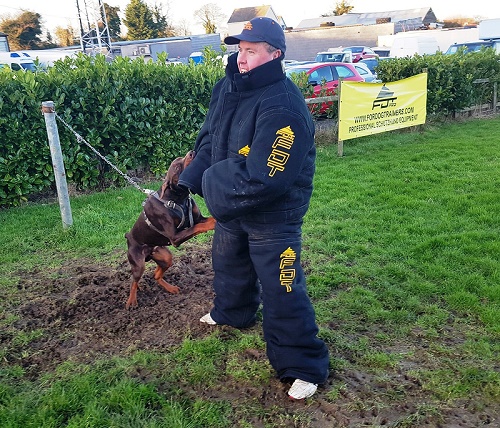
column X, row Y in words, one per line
column 260, row 263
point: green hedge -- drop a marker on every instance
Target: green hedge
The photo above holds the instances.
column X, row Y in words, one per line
column 450, row 86
column 142, row 115
column 139, row 115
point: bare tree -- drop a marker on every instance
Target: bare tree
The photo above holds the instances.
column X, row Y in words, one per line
column 66, row 36
column 182, row 28
column 210, row 16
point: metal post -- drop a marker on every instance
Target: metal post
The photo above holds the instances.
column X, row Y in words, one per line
column 495, row 97
column 57, row 162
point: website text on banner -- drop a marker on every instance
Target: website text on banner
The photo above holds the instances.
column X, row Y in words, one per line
column 370, row 108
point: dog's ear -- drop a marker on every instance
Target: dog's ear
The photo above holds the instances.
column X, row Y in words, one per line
column 172, row 177
column 164, row 187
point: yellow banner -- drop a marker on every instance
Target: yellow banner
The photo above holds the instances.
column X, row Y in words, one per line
column 370, row 108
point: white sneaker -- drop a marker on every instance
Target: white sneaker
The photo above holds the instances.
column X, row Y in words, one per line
column 301, row 389
column 207, row 319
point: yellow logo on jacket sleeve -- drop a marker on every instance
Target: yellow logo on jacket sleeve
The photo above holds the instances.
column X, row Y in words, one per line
column 287, row 274
column 281, row 147
column 244, row 150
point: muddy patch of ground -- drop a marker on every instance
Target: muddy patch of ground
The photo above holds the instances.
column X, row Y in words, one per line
column 81, row 309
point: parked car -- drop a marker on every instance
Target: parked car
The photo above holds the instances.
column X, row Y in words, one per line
column 360, row 52
column 474, row 46
column 371, row 63
column 334, row 56
column 382, row 51
column 293, row 63
column 289, row 62
column 174, row 62
column 365, row 72
column 327, row 74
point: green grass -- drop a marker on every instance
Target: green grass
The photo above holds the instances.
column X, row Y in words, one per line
column 105, row 395
column 402, row 251
column 409, row 221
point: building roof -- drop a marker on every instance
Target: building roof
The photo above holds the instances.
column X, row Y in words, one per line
column 407, row 19
column 330, row 21
column 245, row 14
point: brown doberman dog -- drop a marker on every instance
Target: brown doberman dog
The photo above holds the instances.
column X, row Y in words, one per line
column 170, row 217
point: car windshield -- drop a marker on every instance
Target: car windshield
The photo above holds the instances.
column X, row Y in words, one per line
column 477, row 47
column 330, row 56
column 29, row 66
column 468, row 47
column 355, row 49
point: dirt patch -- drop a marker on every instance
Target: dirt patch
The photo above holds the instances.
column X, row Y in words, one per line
column 81, row 309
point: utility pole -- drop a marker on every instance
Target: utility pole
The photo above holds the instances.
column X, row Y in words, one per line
column 96, row 39
column 81, row 25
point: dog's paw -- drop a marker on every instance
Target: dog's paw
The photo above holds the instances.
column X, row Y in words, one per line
column 211, row 223
column 174, row 289
column 131, row 304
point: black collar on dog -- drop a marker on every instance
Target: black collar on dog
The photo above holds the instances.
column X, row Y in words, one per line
column 182, row 210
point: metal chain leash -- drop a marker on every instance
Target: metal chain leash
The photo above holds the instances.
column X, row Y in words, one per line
column 81, row 139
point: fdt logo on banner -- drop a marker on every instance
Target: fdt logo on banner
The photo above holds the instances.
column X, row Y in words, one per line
column 371, row 108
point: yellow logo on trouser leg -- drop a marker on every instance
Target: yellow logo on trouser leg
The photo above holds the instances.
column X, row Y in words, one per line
column 287, row 275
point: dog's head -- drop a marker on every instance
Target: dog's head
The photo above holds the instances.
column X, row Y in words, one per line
column 174, row 171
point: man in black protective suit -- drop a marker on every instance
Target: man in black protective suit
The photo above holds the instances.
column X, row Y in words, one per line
column 254, row 167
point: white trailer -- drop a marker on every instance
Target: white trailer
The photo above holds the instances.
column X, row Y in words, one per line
column 445, row 37
column 489, row 29
column 407, row 45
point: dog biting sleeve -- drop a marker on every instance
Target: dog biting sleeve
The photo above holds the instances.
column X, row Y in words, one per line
column 191, row 177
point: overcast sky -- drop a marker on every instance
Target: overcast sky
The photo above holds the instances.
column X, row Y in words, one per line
column 64, row 12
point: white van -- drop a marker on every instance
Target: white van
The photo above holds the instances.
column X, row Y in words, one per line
column 47, row 57
column 410, row 45
column 17, row 61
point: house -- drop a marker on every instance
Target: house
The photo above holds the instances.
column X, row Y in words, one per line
column 240, row 16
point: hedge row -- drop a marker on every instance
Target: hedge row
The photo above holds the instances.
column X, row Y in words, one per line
column 142, row 115
column 139, row 115
column 450, row 80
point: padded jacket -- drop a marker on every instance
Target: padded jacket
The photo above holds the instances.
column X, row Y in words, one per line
column 255, row 156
